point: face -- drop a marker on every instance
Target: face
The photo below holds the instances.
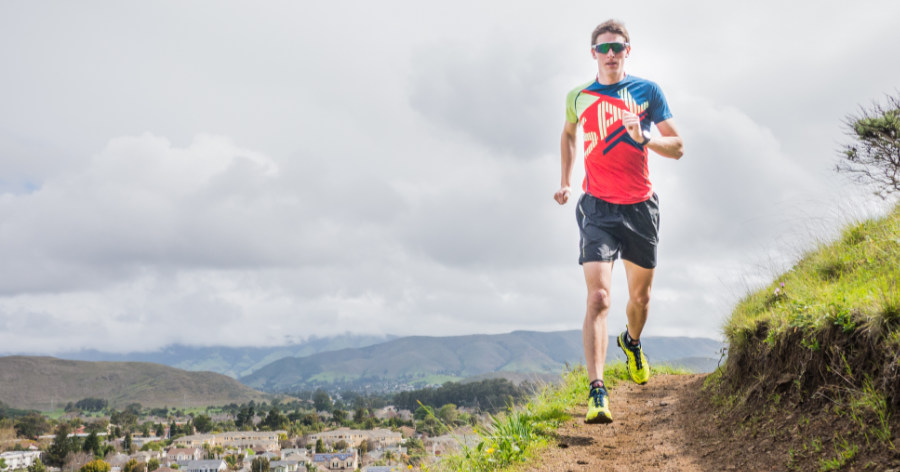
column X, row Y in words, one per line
column 612, row 64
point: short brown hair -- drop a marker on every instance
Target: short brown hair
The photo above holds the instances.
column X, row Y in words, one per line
column 610, row 26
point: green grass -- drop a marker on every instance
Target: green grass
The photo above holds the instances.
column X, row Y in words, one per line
column 850, row 283
column 514, row 438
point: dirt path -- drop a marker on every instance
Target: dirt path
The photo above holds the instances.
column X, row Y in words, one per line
column 654, row 428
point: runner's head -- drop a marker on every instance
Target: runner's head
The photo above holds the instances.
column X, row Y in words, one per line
column 610, row 26
column 609, row 47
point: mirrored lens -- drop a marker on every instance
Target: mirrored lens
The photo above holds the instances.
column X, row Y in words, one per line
column 604, row 48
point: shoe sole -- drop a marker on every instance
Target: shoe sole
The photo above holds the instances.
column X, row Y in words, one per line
column 599, row 419
column 625, row 351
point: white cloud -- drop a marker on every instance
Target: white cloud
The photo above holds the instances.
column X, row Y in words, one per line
column 389, row 167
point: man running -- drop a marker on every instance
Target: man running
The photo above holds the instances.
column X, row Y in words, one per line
column 618, row 214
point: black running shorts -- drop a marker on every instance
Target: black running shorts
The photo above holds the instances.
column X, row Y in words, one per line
column 610, row 231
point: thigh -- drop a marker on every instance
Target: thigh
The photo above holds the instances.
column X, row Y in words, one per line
column 640, row 280
column 598, row 275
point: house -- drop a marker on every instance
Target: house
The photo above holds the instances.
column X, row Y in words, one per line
column 378, row 438
column 383, row 468
column 215, row 465
column 145, row 456
column 336, row 461
column 295, row 454
column 20, row 459
column 196, row 440
column 176, row 454
column 284, row 466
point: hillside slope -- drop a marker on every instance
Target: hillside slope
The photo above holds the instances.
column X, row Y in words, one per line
column 39, row 382
column 420, row 360
column 821, row 346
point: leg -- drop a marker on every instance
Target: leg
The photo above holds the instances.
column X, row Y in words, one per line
column 598, row 277
column 640, row 281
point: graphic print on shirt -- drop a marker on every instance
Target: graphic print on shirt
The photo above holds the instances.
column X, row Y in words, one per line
column 608, row 113
column 615, row 164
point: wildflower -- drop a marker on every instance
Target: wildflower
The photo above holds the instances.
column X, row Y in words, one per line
column 490, row 450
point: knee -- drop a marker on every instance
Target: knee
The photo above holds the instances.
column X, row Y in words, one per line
column 641, row 300
column 599, row 301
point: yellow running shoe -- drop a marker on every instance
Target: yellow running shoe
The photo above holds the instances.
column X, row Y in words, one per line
column 598, row 407
column 638, row 367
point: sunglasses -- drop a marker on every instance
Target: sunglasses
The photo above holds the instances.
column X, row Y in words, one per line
column 604, row 48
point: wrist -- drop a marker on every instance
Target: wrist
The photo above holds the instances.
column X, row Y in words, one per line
column 646, row 137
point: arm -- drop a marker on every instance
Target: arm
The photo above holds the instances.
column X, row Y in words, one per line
column 567, row 153
column 667, row 144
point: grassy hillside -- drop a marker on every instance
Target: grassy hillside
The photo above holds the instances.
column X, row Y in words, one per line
column 420, row 360
column 821, row 346
column 38, row 382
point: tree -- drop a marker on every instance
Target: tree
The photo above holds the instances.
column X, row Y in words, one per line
column 134, row 466
column 341, row 445
column 96, row 465
column 360, row 415
column 60, row 448
column 339, row 416
column 160, row 430
column 31, row 426
column 448, row 414
column 274, row 420
column 322, row 401
column 203, row 423
column 320, row 446
column 126, row 443
column 259, row 464
column 152, row 464
column 37, row 466
column 875, row 157
column 91, row 444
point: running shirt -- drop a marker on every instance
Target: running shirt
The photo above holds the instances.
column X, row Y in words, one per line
column 615, row 165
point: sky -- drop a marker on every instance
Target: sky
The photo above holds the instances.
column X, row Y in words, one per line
column 255, row 173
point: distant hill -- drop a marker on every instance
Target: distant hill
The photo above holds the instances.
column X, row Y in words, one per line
column 232, row 361
column 421, row 360
column 42, row 382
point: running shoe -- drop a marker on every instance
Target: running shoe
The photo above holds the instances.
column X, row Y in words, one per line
column 598, row 407
column 638, row 368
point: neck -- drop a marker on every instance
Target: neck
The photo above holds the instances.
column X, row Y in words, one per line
column 610, row 79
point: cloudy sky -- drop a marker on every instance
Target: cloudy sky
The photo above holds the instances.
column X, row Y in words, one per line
column 254, row 173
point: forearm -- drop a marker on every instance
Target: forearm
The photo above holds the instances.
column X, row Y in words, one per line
column 567, row 152
column 667, row 146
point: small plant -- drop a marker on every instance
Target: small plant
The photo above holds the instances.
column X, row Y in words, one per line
column 844, row 453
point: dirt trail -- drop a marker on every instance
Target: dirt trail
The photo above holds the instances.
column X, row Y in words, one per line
column 655, row 427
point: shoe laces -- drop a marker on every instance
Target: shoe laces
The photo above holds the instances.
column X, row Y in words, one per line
column 597, row 395
column 636, row 350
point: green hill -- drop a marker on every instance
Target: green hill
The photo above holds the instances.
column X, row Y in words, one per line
column 41, row 382
column 421, row 360
column 818, row 351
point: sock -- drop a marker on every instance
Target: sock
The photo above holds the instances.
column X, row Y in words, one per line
column 630, row 340
column 597, row 384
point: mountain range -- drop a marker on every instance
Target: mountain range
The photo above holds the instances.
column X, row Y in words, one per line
column 420, row 360
column 360, row 363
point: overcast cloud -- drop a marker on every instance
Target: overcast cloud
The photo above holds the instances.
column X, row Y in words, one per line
column 228, row 173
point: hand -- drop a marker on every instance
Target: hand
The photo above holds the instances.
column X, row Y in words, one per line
column 562, row 195
column 632, row 124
